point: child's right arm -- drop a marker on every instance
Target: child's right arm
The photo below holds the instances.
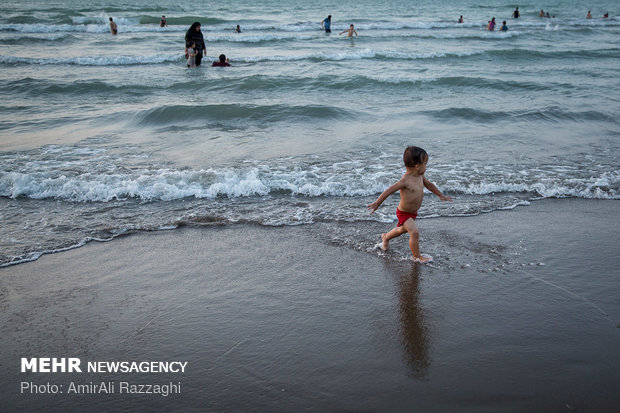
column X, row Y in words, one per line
column 375, row 205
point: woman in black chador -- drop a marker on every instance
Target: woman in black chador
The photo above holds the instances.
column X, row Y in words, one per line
column 194, row 35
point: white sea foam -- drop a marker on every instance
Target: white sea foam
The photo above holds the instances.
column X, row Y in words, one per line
column 86, row 28
column 44, row 181
column 431, row 34
column 358, row 54
column 550, row 27
column 103, row 19
column 93, row 60
column 55, row 28
column 35, row 36
column 35, row 255
column 260, row 37
column 99, row 24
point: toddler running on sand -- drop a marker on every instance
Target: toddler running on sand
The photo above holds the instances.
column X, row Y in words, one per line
column 411, row 187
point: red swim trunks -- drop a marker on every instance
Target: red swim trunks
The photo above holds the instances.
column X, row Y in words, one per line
column 403, row 216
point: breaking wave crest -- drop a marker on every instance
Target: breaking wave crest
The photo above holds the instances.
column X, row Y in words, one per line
column 83, row 179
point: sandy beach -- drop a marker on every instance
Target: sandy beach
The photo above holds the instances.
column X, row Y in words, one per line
column 520, row 311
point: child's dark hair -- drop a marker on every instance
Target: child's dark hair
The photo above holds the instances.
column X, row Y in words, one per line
column 414, row 156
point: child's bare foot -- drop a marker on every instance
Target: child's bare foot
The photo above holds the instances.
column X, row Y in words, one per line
column 423, row 259
column 385, row 243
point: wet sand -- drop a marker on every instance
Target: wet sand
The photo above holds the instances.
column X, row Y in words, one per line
column 519, row 312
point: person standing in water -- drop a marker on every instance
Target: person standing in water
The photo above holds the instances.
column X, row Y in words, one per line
column 460, row 20
column 515, row 14
column 491, row 25
column 327, row 23
column 194, row 35
column 163, row 22
column 191, row 55
column 113, row 27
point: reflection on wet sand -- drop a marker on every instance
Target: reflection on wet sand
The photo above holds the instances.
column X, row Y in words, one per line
column 413, row 331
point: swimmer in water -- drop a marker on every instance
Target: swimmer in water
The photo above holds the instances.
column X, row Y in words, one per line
column 113, row 27
column 350, row 31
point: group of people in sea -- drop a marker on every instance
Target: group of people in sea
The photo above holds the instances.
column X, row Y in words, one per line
column 327, row 23
column 589, row 15
column 195, row 47
column 491, row 25
column 516, row 15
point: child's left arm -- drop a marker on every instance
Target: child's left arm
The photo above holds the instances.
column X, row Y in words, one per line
column 431, row 187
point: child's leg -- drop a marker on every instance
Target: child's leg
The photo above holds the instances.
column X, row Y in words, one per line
column 414, row 240
column 392, row 234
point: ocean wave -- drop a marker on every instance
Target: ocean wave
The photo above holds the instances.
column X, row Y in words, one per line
column 103, row 19
column 54, row 28
column 593, row 188
column 143, row 21
column 98, row 23
column 549, row 113
column 460, row 35
column 244, row 82
column 355, row 54
column 385, row 25
column 88, row 28
column 531, row 54
column 28, row 39
column 279, row 36
column 126, row 7
column 262, row 82
column 93, row 60
column 169, row 58
column 249, row 37
column 491, row 83
column 97, row 195
column 358, row 55
column 35, row 87
column 83, row 180
column 176, row 114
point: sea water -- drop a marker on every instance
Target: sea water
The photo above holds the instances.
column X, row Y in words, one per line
column 104, row 135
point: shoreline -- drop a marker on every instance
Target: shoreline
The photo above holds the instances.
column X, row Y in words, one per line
column 36, row 255
column 312, row 317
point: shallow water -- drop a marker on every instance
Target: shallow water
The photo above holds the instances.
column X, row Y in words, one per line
column 102, row 135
